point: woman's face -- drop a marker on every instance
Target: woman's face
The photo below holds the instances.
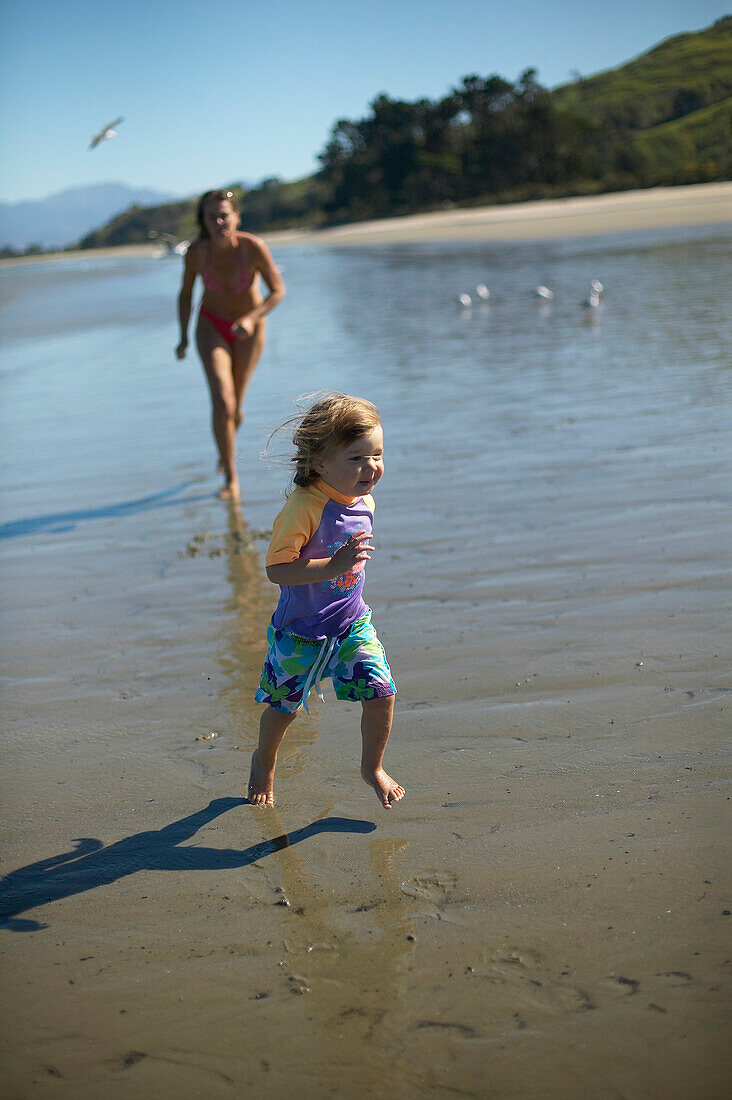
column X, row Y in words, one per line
column 220, row 219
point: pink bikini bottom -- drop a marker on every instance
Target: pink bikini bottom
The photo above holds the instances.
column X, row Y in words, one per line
column 221, row 324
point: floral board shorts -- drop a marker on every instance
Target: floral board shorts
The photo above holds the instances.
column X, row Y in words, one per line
column 355, row 661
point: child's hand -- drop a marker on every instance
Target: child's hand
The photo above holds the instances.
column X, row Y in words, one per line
column 356, row 549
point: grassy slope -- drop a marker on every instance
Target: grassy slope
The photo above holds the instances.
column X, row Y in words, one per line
column 697, row 137
column 134, row 226
column 643, row 93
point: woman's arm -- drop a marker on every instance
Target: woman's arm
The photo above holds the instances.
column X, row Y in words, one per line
column 266, row 266
column 184, row 302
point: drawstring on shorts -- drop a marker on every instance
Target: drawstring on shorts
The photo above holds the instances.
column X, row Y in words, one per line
column 319, row 665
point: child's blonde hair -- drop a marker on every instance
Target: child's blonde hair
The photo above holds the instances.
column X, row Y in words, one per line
column 334, row 420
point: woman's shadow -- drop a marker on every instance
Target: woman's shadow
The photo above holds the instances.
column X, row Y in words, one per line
column 93, row 864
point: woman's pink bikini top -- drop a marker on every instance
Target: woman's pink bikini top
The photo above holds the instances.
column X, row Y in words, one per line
column 211, row 280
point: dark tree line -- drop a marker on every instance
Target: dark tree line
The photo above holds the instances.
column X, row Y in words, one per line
column 487, row 136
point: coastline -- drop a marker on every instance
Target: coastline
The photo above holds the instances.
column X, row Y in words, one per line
column 80, row 254
column 581, row 216
column 584, row 216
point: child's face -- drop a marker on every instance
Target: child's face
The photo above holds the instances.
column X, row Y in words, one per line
column 355, row 469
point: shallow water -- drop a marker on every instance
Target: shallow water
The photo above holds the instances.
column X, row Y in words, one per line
column 549, row 583
column 523, row 416
column 534, row 452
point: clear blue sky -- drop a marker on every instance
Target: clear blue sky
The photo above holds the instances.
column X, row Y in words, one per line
column 235, row 90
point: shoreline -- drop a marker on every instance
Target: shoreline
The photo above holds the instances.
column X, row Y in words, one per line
column 586, row 215
column 579, row 216
column 80, row 254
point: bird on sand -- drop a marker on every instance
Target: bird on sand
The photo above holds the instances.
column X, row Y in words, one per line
column 105, row 133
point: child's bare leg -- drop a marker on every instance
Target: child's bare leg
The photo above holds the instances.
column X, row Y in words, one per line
column 375, row 730
column 272, row 728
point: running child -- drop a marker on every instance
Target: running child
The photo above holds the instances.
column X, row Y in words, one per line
column 321, row 627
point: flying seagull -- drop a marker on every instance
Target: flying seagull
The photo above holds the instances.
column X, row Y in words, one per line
column 106, row 132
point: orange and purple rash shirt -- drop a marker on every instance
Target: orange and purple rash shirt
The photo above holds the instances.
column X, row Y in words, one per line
column 314, row 523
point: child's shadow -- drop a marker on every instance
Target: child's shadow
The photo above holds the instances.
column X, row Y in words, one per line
column 92, row 864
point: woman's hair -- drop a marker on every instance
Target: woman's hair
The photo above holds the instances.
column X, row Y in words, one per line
column 218, row 195
column 334, row 420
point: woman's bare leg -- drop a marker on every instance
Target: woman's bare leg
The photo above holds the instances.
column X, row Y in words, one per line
column 246, row 354
column 272, row 728
column 375, row 730
column 217, row 363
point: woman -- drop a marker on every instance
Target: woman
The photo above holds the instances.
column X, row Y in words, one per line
column 231, row 326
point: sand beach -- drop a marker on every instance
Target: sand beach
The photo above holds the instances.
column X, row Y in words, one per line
column 616, row 212
column 654, row 208
column 547, row 913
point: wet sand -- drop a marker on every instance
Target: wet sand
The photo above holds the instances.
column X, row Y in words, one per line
column 543, row 915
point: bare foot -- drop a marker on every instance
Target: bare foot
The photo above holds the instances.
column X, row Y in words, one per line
column 387, row 789
column 230, row 491
column 261, row 780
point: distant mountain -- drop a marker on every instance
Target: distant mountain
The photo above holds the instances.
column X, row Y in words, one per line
column 61, row 219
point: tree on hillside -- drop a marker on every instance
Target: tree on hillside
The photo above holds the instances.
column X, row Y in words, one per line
column 485, row 136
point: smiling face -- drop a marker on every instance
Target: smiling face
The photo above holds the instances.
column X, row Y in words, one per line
column 354, row 468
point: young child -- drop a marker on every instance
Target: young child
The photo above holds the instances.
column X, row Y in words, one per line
column 321, row 627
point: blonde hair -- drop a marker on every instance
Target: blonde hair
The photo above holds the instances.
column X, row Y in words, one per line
column 334, row 420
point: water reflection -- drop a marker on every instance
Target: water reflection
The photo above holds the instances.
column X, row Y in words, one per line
column 343, row 948
column 350, row 950
column 249, row 610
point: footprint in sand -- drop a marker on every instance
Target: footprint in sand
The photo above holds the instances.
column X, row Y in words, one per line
column 433, row 886
column 511, row 959
column 621, row 985
column 533, row 985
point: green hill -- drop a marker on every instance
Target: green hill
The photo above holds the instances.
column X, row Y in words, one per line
column 689, row 148
column 680, row 75
column 273, row 202
column 140, row 224
column 670, row 106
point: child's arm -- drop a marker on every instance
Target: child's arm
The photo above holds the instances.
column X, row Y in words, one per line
column 308, row 571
